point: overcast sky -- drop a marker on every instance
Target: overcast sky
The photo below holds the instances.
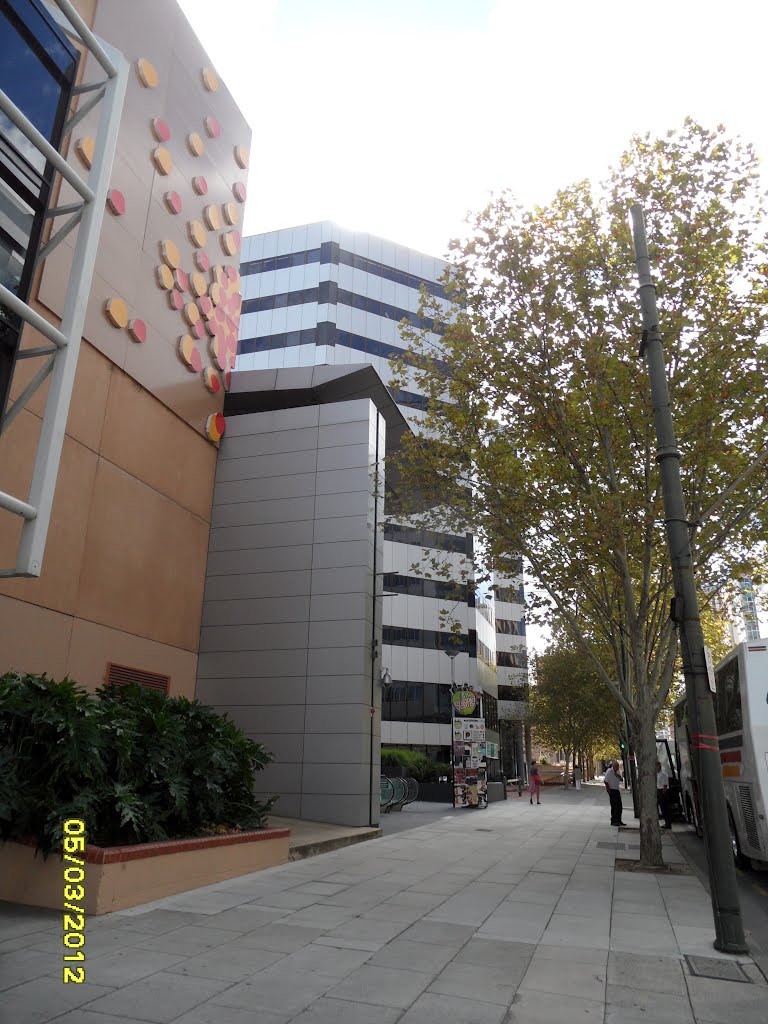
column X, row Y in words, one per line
column 398, row 116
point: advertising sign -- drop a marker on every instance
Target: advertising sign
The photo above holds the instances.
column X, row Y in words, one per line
column 464, row 702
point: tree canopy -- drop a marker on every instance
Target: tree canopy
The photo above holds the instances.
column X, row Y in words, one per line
column 539, row 428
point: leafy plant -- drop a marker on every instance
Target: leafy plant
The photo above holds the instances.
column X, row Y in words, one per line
column 418, row 766
column 136, row 765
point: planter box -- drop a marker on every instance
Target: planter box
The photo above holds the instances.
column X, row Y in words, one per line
column 117, row 877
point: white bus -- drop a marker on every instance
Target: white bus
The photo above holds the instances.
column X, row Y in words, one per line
column 741, row 714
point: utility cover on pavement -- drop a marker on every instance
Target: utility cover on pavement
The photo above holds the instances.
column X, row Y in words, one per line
column 723, row 970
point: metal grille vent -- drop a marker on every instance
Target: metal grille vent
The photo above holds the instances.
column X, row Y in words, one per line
column 748, row 813
column 122, row 675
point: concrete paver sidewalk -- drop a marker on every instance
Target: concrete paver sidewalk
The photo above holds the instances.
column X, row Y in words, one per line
column 511, row 914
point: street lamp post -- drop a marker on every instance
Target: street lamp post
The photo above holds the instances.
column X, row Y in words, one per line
column 452, row 654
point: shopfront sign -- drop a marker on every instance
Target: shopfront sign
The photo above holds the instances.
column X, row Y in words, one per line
column 464, row 702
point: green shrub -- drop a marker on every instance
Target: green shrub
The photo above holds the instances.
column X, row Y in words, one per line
column 418, row 766
column 135, row 765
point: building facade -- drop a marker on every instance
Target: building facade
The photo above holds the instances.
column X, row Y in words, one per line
column 318, row 295
column 118, row 593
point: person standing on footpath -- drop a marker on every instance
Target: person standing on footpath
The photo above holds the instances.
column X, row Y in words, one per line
column 662, row 795
column 535, row 782
column 613, row 781
column 577, row 777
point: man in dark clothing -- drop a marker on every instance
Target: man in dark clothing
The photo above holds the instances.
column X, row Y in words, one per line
column 613, row 781
column 663, row 794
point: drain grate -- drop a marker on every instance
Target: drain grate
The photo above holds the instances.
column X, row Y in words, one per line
column 722, row 970
column 484, row 830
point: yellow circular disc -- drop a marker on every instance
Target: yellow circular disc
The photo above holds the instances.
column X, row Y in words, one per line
column 162, row 160
column 228, row 243
column 147, row 74
column 215, row 293
column 117, row 312
column 85, row 150
column 197, row 233
column 191, row 313
column 170, row 253
column 231, row 213
column 165, row 277
column 195, row 144
column 199, row 284
column 241, row 156
column 218, row 275
column 212, row 218
column 210, row 79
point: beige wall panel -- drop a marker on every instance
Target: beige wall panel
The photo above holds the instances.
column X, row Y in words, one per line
column 33, row 639
column 93, row 646
column 57, row 585
column 148, row 441
column 144, row 563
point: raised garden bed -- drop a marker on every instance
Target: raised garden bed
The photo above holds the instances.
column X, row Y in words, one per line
column 117, row 877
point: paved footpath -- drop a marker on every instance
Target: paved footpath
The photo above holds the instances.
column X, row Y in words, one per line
column 511, row 914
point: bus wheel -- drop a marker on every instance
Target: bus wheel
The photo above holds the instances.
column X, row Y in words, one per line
column 739, row 859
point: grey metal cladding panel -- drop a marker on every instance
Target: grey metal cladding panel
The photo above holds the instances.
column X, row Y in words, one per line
column 344, row 528
column 357, row 503
column 349, row 633
column 281, row 778
column 352, row 579
column 343, row 779
column 343, row 606
column 274, row 421
column 337, row 748
column 336, row 689
column 336, row 434
column 256, row 611
column 340, row 810
column 264, row 535
column 226, row 563
column 333, row 718
column 256, row 513
column 346, row 457
column 343, row 553
column 347, row 661
column 296, row 485
column 286, row 747
column 289, row 804
column 257, row 466
column 268, row 719
column 252, row 692
column 355, row 411
column 272, row 443
column 275, row 636
column 251, row 664
column 343, row 481
column 296, row 583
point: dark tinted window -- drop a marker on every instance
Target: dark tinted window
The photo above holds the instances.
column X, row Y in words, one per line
column 728, row 698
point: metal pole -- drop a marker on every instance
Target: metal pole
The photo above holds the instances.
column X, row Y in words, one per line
column 452, row 657
column 722, row 874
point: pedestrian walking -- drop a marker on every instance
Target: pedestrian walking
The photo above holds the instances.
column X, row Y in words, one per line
column 577, row 777
column 534, row 785
column 662, row 795
column 613, row 781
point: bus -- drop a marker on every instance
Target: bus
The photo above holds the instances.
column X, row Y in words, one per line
column 741, row 715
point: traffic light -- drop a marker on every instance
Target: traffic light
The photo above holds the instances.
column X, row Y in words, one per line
column 623, row 746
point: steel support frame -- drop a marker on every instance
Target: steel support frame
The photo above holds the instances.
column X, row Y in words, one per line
column 62, row 355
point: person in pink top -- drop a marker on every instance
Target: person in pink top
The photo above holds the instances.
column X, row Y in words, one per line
column 534, row 784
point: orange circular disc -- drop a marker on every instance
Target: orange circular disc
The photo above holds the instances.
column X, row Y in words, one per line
column 229, row 243
column 117, row 312
column 170, row 253
column 148, row 76
column 215, row 293
column 162, row 160
column 212, row 218
column 197, row 233
column 195, row 143
column 191, row 313
column 241, row 156
column 85, row 149
column 199, row 284
column 219, row 352
column 215, row 426
column 210, row 79
column 231, row 213
column 189, row 353
column 165, row 277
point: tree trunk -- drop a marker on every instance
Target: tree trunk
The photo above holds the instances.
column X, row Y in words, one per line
column 528, row 751
column 645, row 745
column 565, row 773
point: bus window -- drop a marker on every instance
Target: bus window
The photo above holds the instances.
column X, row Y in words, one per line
column 728, row 698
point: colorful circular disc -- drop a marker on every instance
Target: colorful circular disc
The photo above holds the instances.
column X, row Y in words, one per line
column 191, row 313
column 241, row 156
column 212, row 218
column 85, row 149
column 210, row 79
column 228, row 243
column 182, row 279
column 198, row 283
column 170, row 253
column 116, row 202
column 147, row 74
column 138, row 330
column 200, row 185
column 162, row 160
column 228, row 380
column 201, row 261
column 205, row 305
column 189, row 354
column 212, row 127
column 219, row 352
column 195, row 143
column 172, row 201
column 165, row 277
column 198, row 329
column 117, row 312
column 160, row 129
column 231, row 213
column 215, row 293
column 176, row 299
column 197, row 233
column 239, row 191
column 212, row 381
